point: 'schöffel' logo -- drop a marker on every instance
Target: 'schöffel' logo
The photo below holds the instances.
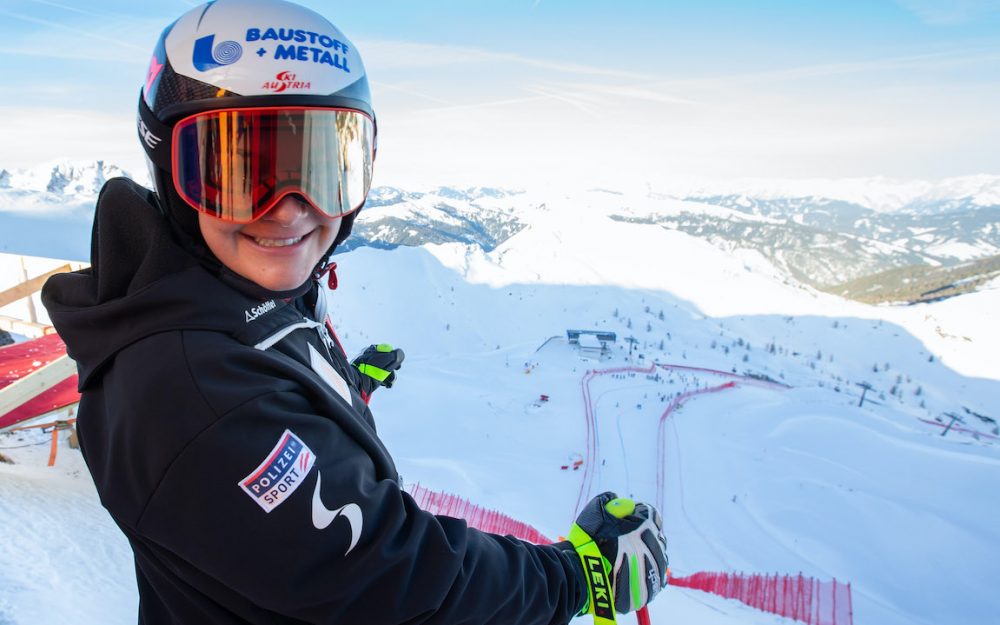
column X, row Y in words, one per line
column 206, row 56
column 257, row 311
column 285, row 80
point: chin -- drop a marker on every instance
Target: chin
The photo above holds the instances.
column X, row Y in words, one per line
column 280, row 284
column 283, row 286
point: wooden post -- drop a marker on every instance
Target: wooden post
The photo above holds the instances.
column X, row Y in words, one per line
column 32, row 314
column 26, row 288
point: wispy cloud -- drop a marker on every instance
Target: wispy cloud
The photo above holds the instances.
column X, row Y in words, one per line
column 920, row 62
column 73, row 134
column 577, row 100
column 117, row 42
column 584, row 88
column 102, row 15
column 67, row 7
column 945, row 12
column 647, row 92
column 452, row 108
column 379, row 84
column 394, row 54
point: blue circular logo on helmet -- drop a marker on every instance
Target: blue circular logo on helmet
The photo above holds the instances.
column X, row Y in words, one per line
column 206, row 56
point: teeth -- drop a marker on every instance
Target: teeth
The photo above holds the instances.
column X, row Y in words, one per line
column 277, row 242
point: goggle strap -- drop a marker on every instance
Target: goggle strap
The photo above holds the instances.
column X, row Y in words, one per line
column 154, row 136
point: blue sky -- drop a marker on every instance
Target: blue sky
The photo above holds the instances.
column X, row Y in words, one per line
column 610, row 93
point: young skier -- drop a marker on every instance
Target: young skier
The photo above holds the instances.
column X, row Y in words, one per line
column 227, row 433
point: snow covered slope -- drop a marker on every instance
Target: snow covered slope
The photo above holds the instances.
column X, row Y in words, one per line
column 757, row 480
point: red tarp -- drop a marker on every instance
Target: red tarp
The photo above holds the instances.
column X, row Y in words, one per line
column 21, row 359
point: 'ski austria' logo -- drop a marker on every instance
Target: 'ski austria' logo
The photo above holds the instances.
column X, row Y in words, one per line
column 285, row 80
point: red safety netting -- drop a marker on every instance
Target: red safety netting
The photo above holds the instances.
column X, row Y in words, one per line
column 21, row 359
column 793, row 596
column 478, row 517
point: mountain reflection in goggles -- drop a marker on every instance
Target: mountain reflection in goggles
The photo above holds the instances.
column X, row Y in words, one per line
column 237, row 164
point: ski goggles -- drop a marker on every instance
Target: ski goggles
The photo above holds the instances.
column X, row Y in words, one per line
column 237, row 164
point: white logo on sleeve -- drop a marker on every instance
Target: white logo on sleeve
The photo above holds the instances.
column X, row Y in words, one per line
column 329, row 374
column 275, row 479
column 323, row 517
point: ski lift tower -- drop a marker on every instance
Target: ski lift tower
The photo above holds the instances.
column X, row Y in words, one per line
column 631, row 340
column 954, row 417
column 865, row 387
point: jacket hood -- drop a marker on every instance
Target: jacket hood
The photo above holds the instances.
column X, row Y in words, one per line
column 142, row 282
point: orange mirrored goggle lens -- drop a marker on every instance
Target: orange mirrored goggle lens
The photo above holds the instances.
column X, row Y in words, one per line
column 237, row 164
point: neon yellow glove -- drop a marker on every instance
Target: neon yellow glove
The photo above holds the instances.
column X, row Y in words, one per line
column 378, row 364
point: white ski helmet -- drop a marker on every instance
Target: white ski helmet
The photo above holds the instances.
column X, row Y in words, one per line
column 246, row 54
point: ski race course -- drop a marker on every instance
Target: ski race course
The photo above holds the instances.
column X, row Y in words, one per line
column 801, row 598
column 797, row 597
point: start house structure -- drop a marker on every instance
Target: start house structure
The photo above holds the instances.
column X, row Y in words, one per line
column 591, row 343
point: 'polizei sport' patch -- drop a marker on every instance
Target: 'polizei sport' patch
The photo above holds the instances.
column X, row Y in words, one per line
column 281, row 472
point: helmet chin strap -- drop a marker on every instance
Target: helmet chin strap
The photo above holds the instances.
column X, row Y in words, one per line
column 326, row 266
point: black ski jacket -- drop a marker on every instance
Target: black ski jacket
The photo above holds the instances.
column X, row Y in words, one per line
column 228, row 440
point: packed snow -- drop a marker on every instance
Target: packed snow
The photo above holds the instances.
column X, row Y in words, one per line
column 758, row 480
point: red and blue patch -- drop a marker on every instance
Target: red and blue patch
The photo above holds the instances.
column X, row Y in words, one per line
column 277, row 477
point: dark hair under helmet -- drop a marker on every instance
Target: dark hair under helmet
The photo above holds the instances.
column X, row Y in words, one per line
column 243, row 54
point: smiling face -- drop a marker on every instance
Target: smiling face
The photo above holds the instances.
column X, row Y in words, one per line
column 279, row 250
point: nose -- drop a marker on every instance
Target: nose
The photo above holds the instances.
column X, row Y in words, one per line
column 289, row 209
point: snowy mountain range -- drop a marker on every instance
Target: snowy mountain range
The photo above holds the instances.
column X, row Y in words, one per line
column 823, row 233
column 825, row 242
column 64, row 180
